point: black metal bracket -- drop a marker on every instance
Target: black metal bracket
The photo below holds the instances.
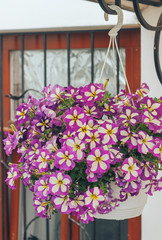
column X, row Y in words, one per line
column 157, row 52
column 145, row 24
column 106, row 8
column 22, row 95
column 142, row 20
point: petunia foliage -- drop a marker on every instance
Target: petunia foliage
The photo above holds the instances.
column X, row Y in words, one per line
column 75, row 142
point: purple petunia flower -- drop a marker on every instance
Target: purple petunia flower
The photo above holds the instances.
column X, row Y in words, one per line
column 93, row 198
column 98, row 160
column 40, row 207
column 62, row 202
column 22, row 114
column 94, row 139
column 87, row 215
column 12, row 175
column 64, row 158
column 108, row 133
column 10, row 142
column 33, row 149
column 157, row 151
column 75, row 118
column 145, row 142
column 131, row 170
column 43, row 160
column 92, row 94
column 59, row 183
column 128, row 137
column 78, row 146
column 129, row 116
column 41, row 187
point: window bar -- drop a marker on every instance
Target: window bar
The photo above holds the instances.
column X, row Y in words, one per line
column 45, row 59
column 68, row 57
column 22, row 88
column 92, row 57
column 45, row 84
column 2, row 135
column 117, row 67
column 68, row 78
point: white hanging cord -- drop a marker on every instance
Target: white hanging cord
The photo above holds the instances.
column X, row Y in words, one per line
column 114, row 64
column 113, row 33
column 107, row 53
column 123, row 70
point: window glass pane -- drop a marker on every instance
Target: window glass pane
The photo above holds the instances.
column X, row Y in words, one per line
column 80, row 70
column 80, row 67
column 57, row 67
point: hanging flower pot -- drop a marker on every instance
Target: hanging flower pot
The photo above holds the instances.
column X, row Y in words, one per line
column 77, row 144
column 129, row 208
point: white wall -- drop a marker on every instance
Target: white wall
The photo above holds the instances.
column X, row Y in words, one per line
column 33, row 15
column 152, row 215
column 148, row 73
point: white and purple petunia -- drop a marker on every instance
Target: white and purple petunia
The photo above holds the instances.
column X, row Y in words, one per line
column 51, row 145
column 157, row 150
column 129, row 116
column 75, row 118
column 94, row 139
column 145, row 142
column 59, row 183
column 54, row 95
column 108, row 132
column 43, row 160
column 94, row 197
column 64, row 158
column 40, row 207
column 144, row 89
column 78, row 146
column 62, row 202
column 33, row 149
column 41, row 187
column 92, row 94
column 151, row 120
column 128, row 137
column 12, row 175
column 98, row 160
column 10, row 142
column 22, row 114
column 83, row 131
column 130, row 169
column 87, row 215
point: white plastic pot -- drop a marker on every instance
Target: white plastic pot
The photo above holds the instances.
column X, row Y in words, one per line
column 130, row 208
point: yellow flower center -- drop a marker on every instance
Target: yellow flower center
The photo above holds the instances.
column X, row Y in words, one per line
column 93, row 138
column 94, row 196
column 130, row 168
column 22, row 113
column 93, row 94
column 109, row 132
column 98, row 159
column 45, row 185
column 60, row 182
column 84, row 129
column 77, row 146
column 43, row 159
column 75, row 118
column 144, row 140
column 66, row 157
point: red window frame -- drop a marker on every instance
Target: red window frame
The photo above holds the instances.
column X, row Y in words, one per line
column 128, row 39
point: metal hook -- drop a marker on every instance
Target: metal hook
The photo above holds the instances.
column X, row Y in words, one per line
column 105, row 7
column 114, row 31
